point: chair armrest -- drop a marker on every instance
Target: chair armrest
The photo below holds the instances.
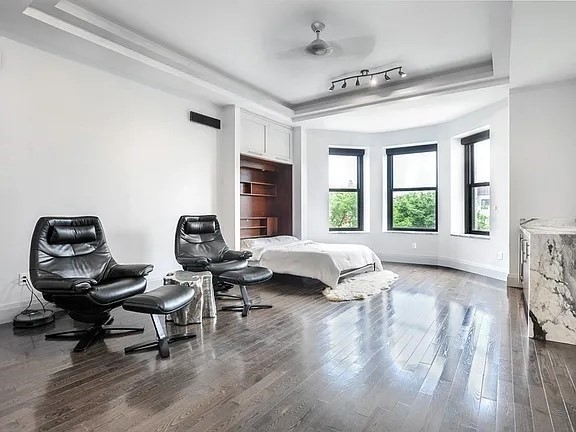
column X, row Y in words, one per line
column 120, row 271
column 200, row 261
column 65, row 286
column 195, row 263
column 231, row 255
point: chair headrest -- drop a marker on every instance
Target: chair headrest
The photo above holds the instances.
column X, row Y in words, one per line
column 200, row 227
column 72, row 234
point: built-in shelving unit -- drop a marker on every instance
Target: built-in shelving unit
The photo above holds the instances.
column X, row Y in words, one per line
column 253, row 188
column 253, row 227
column 265, row 198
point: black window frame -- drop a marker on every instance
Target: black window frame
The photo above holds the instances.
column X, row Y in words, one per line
column 390, row 153
column 469, row 181
column 359, row 154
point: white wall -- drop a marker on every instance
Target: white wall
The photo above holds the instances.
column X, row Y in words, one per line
column 542, row 156
column 394, row 246
column 78, row 141
column 471, row 254
column 478, row 255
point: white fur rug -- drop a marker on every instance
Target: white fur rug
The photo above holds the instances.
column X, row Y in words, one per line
column 361, row 286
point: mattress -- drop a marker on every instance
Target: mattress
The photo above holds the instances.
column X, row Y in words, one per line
column 322, row 261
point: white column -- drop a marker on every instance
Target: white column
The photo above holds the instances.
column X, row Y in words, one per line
column 228, row 187
column 299, row 183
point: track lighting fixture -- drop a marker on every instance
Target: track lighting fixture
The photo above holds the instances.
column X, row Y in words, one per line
column 373, row 77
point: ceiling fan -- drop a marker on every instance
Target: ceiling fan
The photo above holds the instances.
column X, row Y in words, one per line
column 355, row 46
column 318, row 47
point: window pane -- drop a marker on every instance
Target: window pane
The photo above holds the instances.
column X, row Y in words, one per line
column 414, row 170
column 481, row 208
column 343, row 209
column 481, row 161
column 416, row 210
column 342, row 171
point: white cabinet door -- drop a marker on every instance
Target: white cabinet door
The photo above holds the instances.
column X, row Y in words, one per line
column 279, row 144
column 253, row 136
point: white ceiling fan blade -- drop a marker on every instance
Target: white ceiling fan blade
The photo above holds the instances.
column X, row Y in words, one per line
column 291, row 54
column 360, row 46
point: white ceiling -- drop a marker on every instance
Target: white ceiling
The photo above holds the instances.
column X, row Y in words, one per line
column 458, row 54
column 246, row 39
column 411, row 113
column 543, row 47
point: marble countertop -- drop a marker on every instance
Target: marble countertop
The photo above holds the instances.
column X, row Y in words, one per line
column 549, row 225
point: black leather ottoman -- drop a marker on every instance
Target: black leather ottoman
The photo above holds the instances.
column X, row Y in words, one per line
column 243, row 278
column 161, row 301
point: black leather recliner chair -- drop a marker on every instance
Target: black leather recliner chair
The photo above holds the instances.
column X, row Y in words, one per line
column 71, row 265
column 200, row 246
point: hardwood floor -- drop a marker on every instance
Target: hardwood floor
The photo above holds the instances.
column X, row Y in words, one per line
column 442, row 350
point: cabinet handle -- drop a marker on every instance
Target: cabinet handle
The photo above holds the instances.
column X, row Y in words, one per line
column 525, row 253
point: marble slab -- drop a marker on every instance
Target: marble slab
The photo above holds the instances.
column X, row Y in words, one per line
column 549, row 225
column 552, row 279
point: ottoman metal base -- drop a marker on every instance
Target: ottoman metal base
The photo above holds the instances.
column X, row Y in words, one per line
column 162, row 341
column 90, row 335
column 247, row 304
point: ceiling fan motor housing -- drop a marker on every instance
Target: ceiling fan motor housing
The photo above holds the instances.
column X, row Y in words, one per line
column 318, row 47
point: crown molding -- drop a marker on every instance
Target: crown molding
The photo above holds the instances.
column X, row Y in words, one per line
column 196, row 76
column 472, row 77
column 80, row 22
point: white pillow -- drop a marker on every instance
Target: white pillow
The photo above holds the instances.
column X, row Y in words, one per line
column 266, row 241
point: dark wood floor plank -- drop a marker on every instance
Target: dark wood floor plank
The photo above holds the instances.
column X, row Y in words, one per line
column 558, row 413
column 442, row 350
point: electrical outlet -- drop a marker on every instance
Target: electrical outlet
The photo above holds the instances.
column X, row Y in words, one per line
column 22, row 278
column 500, row 255
column 414, row 245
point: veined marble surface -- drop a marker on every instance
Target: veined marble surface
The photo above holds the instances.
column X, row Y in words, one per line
column 549, row 225
column 552, row 279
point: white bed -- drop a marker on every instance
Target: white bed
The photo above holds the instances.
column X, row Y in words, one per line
column 322, row 261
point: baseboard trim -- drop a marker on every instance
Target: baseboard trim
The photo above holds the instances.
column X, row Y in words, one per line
column 409, row 259
column 513, row 280
column 467, row 266
column 10, row 310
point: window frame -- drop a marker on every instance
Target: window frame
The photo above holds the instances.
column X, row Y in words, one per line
column 390, row 153
column 359, row 154
column 469, row 183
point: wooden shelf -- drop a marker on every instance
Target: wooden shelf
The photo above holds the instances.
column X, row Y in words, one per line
column 266, row 198
column 257, row 188
column 259, row 183
column 258, row 195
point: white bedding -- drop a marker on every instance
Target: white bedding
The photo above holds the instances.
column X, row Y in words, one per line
column 322, row 261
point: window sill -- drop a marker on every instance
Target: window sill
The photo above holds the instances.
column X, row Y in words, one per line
column 472, row 236
column 411, row 232
column 348, row 232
